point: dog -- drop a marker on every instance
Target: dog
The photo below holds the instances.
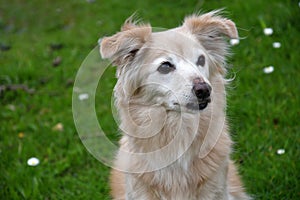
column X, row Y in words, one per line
column 171, row 100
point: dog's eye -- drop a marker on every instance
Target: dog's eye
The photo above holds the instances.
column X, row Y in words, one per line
column 201, row 60
column 166, row 67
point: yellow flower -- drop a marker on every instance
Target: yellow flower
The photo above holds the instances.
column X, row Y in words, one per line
column 21, row 135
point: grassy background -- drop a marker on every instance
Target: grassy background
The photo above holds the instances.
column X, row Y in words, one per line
column 263, row 108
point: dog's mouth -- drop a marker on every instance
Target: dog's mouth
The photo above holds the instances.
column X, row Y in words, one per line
column 200, row 105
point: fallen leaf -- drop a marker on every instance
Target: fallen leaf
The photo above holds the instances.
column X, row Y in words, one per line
column 56, row 61
column 11, row 107
column 58, row 127
column 5, row 47
column 56, row 46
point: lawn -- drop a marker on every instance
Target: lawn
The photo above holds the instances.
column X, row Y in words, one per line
column 42, row 46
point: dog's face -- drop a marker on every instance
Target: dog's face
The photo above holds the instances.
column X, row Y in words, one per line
column 172, row 68
column 174, row 72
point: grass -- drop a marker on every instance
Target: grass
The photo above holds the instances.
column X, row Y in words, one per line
column 263, row 108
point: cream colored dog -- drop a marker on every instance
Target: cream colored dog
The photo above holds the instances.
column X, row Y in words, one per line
column 171, row 102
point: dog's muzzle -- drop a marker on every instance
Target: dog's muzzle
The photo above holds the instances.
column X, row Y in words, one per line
column 202, row 91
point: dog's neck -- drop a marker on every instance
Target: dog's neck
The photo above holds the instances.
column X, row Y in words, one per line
column 170, row 135
column 153, row 124
column 144, row 125
column 181, row 137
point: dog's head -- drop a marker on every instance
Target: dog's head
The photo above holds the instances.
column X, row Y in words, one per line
column 172, row 68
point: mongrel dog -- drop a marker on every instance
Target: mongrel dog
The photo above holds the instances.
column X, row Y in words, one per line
column 171, row 102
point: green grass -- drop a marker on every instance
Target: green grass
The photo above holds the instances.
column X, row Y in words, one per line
column 263, row 108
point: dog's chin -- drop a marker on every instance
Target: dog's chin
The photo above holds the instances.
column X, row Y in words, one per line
column 197, row 106
column 191, row 107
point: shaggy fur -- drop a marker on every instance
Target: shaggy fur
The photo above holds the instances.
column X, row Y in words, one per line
column 185, row 150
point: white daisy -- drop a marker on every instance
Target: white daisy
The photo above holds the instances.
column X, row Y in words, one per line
column 83, row 96
column 276, row 45
column 268, row 31
column 280, row 151
column 33, row 161
column 268, row 70
column 234, row 42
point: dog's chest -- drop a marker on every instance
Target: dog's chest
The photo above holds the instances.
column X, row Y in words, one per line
column 176, row 180
column 178, row 183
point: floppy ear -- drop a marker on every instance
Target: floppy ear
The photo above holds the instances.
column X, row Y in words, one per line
column 122, row 47
column 211, row 30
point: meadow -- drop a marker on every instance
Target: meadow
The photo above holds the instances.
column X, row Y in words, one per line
column 43, row 44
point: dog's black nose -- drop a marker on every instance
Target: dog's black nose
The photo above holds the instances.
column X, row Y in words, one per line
column 201, row 89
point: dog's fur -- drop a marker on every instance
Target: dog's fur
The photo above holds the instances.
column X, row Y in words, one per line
column 153, row 111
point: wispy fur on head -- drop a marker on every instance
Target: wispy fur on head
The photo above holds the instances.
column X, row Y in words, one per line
column 210, row 30
column 122, row 47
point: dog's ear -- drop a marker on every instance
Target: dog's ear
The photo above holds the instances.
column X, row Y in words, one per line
column 123, row 46
column 211, row 30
